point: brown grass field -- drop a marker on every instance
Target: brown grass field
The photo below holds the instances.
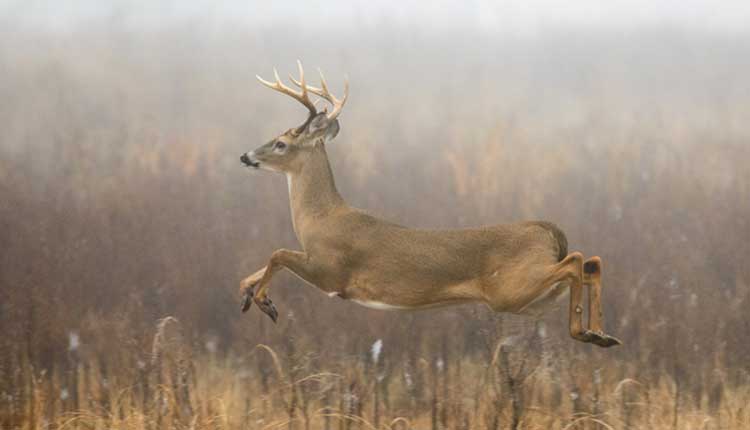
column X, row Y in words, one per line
column 127, row 221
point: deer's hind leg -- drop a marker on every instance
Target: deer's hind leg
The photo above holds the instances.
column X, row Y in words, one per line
column 574, row 273
column 578, row 272
column 570, row 269
column 592, row 277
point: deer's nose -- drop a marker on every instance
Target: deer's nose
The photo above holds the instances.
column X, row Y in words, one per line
column 250, row 162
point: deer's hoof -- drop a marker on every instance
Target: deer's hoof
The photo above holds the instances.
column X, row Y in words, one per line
column 601, row 339
column 266, row 305
column 247, row 300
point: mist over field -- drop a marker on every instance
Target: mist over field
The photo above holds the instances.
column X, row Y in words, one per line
column 127, row 219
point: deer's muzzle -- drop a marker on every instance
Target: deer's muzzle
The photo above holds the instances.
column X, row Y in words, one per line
column 248, row 161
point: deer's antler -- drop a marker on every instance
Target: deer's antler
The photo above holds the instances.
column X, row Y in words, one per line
column 302, row 97
column 324, row 93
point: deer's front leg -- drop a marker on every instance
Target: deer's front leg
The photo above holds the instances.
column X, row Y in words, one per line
column 247, row 287
column 295, row 261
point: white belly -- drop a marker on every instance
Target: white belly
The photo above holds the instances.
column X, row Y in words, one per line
column 380, row 305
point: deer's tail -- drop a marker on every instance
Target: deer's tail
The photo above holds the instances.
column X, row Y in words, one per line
column 559, row 236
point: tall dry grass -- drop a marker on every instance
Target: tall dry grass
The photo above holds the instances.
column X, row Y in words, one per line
column 521, row 383
column 123, row 202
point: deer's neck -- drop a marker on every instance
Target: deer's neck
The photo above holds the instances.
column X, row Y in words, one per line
column 312, row 192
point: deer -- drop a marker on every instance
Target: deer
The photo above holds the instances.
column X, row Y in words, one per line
column 347, row 253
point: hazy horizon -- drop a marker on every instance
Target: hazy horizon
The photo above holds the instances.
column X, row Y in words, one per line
column 515, row 18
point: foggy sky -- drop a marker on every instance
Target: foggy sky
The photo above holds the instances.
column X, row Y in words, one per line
column 513, row 17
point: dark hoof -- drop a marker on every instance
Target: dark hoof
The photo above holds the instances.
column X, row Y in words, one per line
column 247, row 300
column 268, row 308
column 601, row 339
column 586, row 336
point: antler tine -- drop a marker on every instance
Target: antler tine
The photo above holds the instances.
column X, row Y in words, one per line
column 302, row 78
column 337, row 109
column 302, row 97
column 324, row 93
column 323, row 82
column 266, row 83
column 276, row 75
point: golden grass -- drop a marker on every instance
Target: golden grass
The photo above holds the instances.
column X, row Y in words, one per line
column 201, row 392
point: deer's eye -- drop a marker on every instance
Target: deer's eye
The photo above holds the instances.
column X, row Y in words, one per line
column 279, row 145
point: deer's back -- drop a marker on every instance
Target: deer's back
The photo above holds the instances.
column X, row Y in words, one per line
column 362, row 241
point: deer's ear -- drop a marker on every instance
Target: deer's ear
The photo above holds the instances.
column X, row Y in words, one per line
column 321, row 126
column 317, row 124
column 332, row 130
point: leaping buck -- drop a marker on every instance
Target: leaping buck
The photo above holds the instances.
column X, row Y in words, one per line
column 356, row 256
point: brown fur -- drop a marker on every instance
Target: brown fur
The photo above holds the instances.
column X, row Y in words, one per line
column 351, row 254
column 562, row 241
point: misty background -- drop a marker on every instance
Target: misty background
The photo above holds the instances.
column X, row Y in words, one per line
column 123, row 201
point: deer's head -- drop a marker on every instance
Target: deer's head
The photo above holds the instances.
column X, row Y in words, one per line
column 289, row 151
